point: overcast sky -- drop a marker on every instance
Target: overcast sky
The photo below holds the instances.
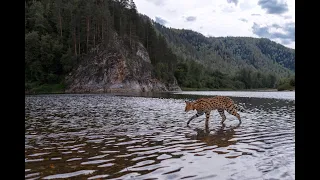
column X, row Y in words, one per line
column 273, row 19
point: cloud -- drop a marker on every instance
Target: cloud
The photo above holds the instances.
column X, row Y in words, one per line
column 286, row 41
column 246, row 5
column 160, row 20
column 277, row 26
column 191, row 18
column 171, row 11
column 287, row 35
column 255, row 14
column 243, row 19
column 228, row 9
column 260, row 31
column 273, row 6
column 233, row 1
column 291, row 29
column 157, row 2
column 287, row 17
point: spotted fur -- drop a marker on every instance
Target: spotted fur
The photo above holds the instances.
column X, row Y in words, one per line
column 219, row 103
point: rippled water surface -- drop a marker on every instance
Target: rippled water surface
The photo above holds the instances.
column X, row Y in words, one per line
column 104, row 136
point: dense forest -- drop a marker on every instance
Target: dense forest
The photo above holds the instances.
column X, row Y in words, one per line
column 228, row 62
column 61, row 33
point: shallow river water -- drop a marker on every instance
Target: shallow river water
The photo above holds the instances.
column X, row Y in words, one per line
column 127, row 136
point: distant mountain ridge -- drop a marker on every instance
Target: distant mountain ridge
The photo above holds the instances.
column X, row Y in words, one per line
column 230, row 54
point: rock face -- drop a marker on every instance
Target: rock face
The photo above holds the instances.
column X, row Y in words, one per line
column 116, row 69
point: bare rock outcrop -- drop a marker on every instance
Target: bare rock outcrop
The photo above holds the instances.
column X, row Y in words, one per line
column 116, row 69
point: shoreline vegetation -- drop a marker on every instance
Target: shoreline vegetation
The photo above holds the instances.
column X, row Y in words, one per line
column 34, row 89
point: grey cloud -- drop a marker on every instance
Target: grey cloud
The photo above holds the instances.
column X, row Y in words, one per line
column 287, row 17
column 286, row 41
column 243, row 19
column 157, row 2
column 276, row 26
column 260, row 31
column 273, row 6
column 191, row 18
column 160, row 20
column 286, row 38
column 291, row 29
column 233, row 1
column 255, row 15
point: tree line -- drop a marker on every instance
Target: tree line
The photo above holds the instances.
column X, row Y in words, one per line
column 191, row 74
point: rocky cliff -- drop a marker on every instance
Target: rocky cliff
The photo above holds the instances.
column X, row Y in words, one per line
column 116, row 68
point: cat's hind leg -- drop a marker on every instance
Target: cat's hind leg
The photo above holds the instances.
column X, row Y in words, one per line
column 207, row 118
column 221, row 112
column 234, row 112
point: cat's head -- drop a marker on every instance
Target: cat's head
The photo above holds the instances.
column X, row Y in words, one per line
column 189, row 106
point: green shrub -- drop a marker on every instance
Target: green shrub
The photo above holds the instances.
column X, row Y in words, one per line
column 285, row 86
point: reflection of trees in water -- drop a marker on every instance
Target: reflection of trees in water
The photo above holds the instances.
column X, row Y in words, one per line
column 220, row 137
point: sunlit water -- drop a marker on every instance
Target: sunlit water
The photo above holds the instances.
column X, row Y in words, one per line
column 104, row 136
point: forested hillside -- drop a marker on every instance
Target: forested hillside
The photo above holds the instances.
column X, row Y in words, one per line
column 230, row 62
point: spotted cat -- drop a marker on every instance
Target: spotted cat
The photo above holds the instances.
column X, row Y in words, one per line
column 206, row 105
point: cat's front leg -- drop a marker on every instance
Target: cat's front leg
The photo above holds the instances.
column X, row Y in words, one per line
column 199, row 113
